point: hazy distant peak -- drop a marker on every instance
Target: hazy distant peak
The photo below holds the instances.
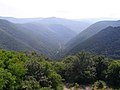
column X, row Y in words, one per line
column 51, row 18
column 5, row 21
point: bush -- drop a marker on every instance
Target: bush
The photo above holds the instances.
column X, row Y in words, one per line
column 76, row 85
column 30, row 83
column 46, row 88
column 113, row 74
column 99, row 84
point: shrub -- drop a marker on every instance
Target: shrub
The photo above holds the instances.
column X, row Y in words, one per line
column 76, row 85
column 99, row 84
column 45, row 88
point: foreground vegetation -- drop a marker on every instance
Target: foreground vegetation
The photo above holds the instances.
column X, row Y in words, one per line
column 31, row 71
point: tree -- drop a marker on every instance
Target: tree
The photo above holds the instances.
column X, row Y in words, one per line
column 43, row 72
column 80, row 68
column 101, row 65
column 12, row 69
column 7, row 81
column 113, row 75
column 30, row 83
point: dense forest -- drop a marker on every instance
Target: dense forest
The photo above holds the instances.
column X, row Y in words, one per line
column 33, row 71
column 59, row 45
column 49, row 54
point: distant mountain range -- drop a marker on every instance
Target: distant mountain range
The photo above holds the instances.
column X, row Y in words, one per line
column 57, row 37
column 76, row 26
column 41, row 38
column 20, row 20
column 47, row 36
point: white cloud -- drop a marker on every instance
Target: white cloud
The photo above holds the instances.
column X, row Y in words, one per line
column 60, row 8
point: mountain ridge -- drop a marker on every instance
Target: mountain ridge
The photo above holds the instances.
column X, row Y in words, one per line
column 106, row 42
column 40, row 38
column 90, row 31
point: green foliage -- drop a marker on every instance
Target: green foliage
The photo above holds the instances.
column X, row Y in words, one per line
column 101, row 65
column 56, row 81
column 85, row 68
column 76, row 85
column 99, row 84
column 113, row 74
column 59, row 67
column 79, row 68
column 30, row 71
column 27, row 72
column 30, row 83
column 46, row 88
column 12, row 69
column 6, row 79
column 43, row 72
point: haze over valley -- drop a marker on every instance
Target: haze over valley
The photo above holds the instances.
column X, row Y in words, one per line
column 52, row 36
column 59, row 45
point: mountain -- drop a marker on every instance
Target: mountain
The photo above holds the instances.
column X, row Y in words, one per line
column 63, row 32
column 8, row 37
column 20, row 20
column 106, row 42
column 94, row 20
column 89, row 32
column 76, row 26
column 24, row 36
column 46, row 39
column 57, row 30
column 52, row 37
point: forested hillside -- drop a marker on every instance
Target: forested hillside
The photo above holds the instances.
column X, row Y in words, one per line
column 54, row 37
column 46, row 39
column 89, row 32
column 27, row 64
column 59, row 45
column 106, row 42
column 9, row 37
column 32, row 71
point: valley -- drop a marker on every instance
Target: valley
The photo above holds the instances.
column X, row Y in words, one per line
column 47, row 36
column 59, row 54
column 57, row 37
column 59, row 45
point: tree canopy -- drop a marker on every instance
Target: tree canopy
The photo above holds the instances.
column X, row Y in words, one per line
column 32, row 71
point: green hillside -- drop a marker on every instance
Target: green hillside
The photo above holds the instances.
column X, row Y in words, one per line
column 106, row 42
column 46, row 39
column 89, row 32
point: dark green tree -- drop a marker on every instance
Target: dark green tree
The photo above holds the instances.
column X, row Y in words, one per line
column 113, row 75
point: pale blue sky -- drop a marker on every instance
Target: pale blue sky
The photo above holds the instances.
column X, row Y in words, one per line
column 73, row 9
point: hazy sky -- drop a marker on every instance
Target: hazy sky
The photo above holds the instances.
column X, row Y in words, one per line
column 74, row 9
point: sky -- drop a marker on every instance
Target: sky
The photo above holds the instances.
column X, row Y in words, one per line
column 71, row 9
